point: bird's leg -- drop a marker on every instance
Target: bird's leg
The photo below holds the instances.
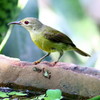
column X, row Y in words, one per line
column 61, row 53
column 38, row 61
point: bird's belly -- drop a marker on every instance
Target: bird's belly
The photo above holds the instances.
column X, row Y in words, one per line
column 48, row 45
column 45, row 45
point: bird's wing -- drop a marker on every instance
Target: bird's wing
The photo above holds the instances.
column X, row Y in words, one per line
column 57, row 36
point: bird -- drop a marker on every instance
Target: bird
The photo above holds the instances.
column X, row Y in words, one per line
column 47, row 38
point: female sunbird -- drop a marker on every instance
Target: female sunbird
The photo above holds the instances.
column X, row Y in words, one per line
column 48, row 38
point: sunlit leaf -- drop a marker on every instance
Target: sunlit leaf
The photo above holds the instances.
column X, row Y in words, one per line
column 17, row 93
column 53, row 94
column 95, row 98
column 3, row 94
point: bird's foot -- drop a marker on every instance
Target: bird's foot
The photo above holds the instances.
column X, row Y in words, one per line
column 36, row 62
column 54, row 63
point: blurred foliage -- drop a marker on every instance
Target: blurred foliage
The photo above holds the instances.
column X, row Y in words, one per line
column 68, row 16
column 3, row 95
column 53, row 94
column 5, row 39
column 69, row 8
column 22, row 46
column 95, row 98
column 8, row 11
column 10, row 94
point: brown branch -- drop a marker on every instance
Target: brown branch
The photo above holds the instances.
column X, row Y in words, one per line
column 73, row 80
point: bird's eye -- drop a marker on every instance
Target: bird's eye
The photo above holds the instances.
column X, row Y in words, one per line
column 26, row 22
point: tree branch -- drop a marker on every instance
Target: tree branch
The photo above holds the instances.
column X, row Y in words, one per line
column 73, row 80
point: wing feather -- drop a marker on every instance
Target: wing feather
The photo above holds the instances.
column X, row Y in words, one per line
column 57, row 36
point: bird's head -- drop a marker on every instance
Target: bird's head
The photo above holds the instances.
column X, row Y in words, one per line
column 29, row 23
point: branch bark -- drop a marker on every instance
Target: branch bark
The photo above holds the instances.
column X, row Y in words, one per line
column 73, row 80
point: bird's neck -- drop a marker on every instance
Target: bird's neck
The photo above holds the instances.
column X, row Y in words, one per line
column 36, row 33
column 36, row 30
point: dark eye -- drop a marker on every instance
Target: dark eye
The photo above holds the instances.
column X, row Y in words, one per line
column 26, row 22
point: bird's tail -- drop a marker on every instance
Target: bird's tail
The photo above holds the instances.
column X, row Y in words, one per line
column 81, row 52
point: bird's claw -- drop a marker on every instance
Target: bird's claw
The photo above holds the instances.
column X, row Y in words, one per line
column 54, row 63
column 36, row 62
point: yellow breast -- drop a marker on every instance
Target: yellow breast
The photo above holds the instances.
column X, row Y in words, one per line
column 43, row 43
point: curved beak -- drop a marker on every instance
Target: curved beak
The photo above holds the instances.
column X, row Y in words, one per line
column 15, row 22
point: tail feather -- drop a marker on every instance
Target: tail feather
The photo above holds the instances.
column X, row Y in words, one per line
column 81, row 52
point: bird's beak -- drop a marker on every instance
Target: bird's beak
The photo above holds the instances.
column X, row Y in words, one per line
column 16, row 22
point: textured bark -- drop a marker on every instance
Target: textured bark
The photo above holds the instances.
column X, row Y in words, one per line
column 74, row 81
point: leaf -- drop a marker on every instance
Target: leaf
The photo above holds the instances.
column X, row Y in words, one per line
column 3, row 43
column 17, row 93
column 53, row 94
column 95, row 98
column 3, row 94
